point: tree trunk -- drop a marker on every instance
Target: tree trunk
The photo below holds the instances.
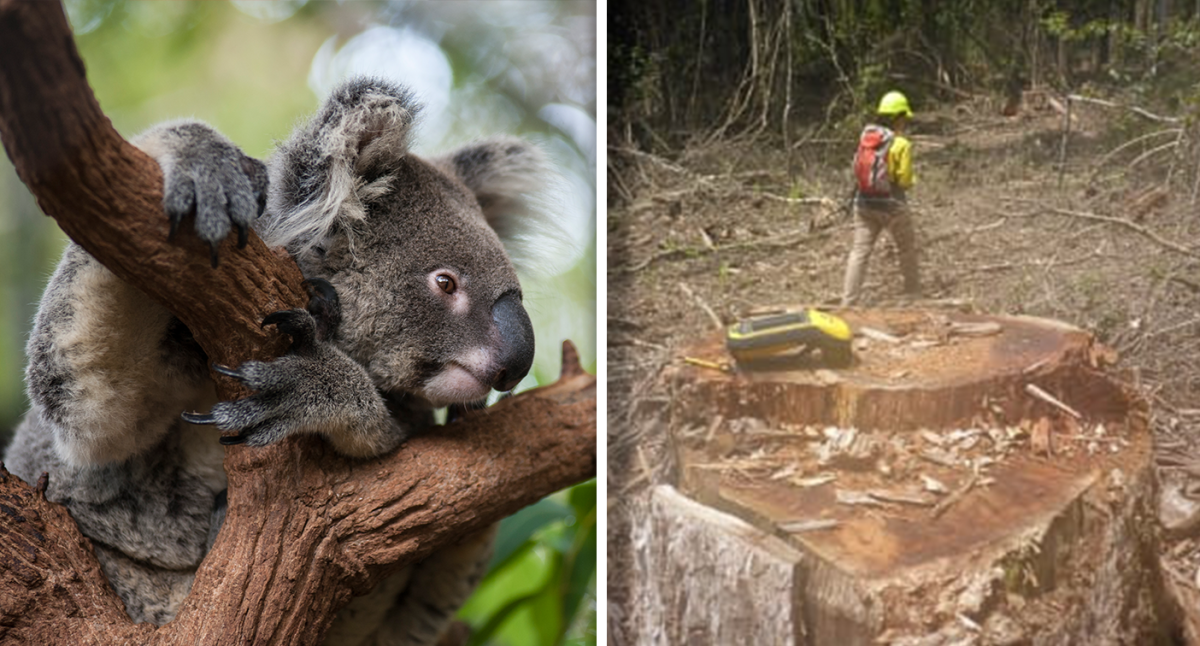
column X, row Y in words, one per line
column 306, row 529
column 967, row 475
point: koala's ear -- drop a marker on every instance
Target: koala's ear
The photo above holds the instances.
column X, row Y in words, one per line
column 514, row 186
column 362, row 130
column 504, row 173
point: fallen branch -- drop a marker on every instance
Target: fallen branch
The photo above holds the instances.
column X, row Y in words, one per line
column 654, row 159
column 1132, row 108
column 822, row 201
column 1128, row 224
column 1104, row 162
column 774, row 242
column 1036, row 263
column 938, row 237
column 717, row 322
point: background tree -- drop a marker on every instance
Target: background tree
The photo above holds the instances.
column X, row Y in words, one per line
column 673, row 77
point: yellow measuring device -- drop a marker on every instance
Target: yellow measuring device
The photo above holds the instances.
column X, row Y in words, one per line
column 818, row 337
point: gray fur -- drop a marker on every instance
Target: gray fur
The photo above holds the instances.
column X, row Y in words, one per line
column 424, row 311
column 206, row 175
column 509, row 177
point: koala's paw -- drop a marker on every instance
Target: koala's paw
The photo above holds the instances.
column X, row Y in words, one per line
column 265, row 417
column 312, row 389
column 207, row 176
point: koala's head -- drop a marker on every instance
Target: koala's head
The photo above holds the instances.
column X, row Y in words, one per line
column 430, row 301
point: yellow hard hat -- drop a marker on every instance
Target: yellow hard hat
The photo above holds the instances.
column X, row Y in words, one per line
column 894, row 103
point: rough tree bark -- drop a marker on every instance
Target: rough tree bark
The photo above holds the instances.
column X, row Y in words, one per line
column 306, row 529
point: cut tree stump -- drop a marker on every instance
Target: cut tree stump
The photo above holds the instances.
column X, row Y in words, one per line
column 925, row 495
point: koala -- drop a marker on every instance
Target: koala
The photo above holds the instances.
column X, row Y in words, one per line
column 415, row 305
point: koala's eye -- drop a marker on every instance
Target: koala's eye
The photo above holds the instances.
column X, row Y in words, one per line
column 446, row 283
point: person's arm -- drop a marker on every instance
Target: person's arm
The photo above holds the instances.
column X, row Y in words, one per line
column 900, row 163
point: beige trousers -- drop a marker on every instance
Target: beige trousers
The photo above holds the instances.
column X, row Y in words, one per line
column 869, row 222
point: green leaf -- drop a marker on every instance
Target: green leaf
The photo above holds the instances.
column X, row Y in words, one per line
column 545, row 615
column 531, row 570
column 485, row 632
column 579, row 571
column 520, row 527
column 582, row 498
column 531, row 616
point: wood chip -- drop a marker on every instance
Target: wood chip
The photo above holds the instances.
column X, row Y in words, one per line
column 938, row 457
column 933, row 485
column 902, row 497
column 848, row 497
column 953, row 498
column 785, row 472
column 1033, row 367
column 988, row 328
column 969, row 623
column 814, row 481
column 935, row 439
column 878, row 335
column 808, row 525
column 712, row 428
column 1037, row 392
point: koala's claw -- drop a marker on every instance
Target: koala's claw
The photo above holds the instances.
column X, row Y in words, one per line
column 198, row 418
column 298, row 324
column 208, row 178
column 227, row 371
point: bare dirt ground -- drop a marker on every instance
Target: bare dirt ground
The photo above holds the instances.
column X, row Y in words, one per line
column 1108, row 241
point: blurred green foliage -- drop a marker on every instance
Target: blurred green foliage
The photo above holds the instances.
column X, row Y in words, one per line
column 255, row 69
column 541, row 585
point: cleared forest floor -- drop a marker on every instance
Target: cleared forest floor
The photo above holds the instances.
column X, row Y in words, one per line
column 1108, row 241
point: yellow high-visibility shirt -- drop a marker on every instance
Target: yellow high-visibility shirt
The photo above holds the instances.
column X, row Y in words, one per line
column 900, row 170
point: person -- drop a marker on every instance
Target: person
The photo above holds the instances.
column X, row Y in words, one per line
column 883, row 172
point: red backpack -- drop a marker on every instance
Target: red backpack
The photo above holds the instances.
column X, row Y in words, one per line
column 870, row 162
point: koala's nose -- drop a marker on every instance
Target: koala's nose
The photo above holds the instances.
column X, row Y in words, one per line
column 516, row 342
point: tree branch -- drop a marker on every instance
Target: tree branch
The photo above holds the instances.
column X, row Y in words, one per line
column 306, row 529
